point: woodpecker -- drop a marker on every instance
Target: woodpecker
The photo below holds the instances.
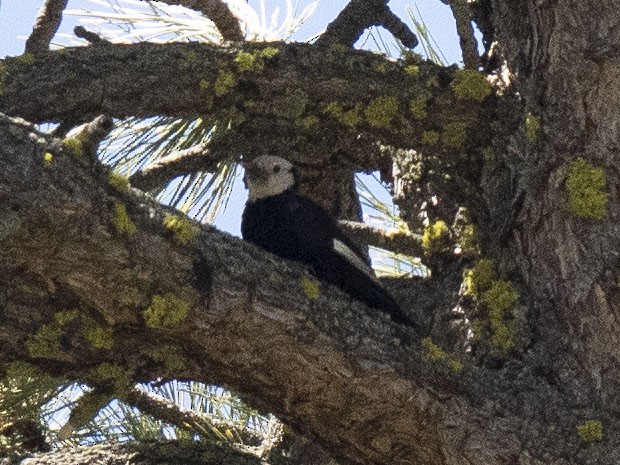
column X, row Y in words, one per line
column 280, row 220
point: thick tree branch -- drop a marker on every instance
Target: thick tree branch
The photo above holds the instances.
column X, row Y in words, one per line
column 67, row 248
column 47, row 23
column 358, row 16
column 281, row 107
column 218, row 12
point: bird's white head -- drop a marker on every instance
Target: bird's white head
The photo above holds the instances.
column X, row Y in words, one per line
column 267, row 176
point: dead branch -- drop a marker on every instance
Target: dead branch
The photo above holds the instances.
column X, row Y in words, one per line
column 465, row 30
column 358, row 16
column 89, row 36
column 169, row 412
column 392, row 240
column 45, row 27
column 218, row 12
column 156, row 175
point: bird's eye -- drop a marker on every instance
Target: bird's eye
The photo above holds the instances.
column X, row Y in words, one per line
column 276, row 169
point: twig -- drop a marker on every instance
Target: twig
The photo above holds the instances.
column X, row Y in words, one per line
column 45, row 27
column 358, row 16
column 156, row 175
column 169, row 412
column 91, row 37
column 218, row 12
column 395, row 241
column 465, row 30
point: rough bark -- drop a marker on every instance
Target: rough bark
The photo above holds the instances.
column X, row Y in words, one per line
column 171, row 453
column 367, row 391
column 560, row 54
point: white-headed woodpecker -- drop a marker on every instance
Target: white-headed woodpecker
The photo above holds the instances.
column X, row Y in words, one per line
column 281, row 221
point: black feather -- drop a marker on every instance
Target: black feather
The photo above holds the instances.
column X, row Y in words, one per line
column 296, row 228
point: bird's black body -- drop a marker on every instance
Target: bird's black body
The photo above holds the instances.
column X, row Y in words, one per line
column 296, row 228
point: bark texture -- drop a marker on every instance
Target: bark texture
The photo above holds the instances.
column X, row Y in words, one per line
column 171, row 453
column 366, row 390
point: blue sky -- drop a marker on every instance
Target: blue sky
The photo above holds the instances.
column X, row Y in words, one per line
column 17, row 18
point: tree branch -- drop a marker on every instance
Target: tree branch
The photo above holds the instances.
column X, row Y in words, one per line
column 366, row 389
column 218, row 12
column 46, row 25
column 169, row 412
column 465, row 30
column 156, row 175
column 189, row 80
column 393, row 240
column 358, row 16
column 92, row 134
column 185, row 452
column 91, row 37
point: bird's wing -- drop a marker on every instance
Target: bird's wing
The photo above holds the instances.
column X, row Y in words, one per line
column 316, row 229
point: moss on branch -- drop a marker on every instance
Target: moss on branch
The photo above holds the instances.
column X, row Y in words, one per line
column 397, row 104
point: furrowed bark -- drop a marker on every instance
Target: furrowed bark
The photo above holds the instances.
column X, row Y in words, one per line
column 382, row 396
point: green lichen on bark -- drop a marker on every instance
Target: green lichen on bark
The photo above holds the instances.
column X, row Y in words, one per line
column 310, row 288
column 434, row 353
column 170, row 357
column 479, row 277
column 66, row 316
column 454, row 135
column 46, row 343
column 248, row 62
column 48, row 158
column 114, row 375
column 499, row 301
column 350, row 118
column 381, row 111
column 190, row 59
column 469, row 84
column 100, row 337
column 73, row 146
column 469, row 241
column 496, row 300
column 412, row 70
column 184, row 231
column 417, row 107
column 308, row 122
column 165, row 311
column 430, row 137
column 532, row 126
column 26, row 58
column 118, row 181
column 435, row 238
column 121, row 220
column 590, row 430
column 254, row 61
column 224, row 83
column 585, row 184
